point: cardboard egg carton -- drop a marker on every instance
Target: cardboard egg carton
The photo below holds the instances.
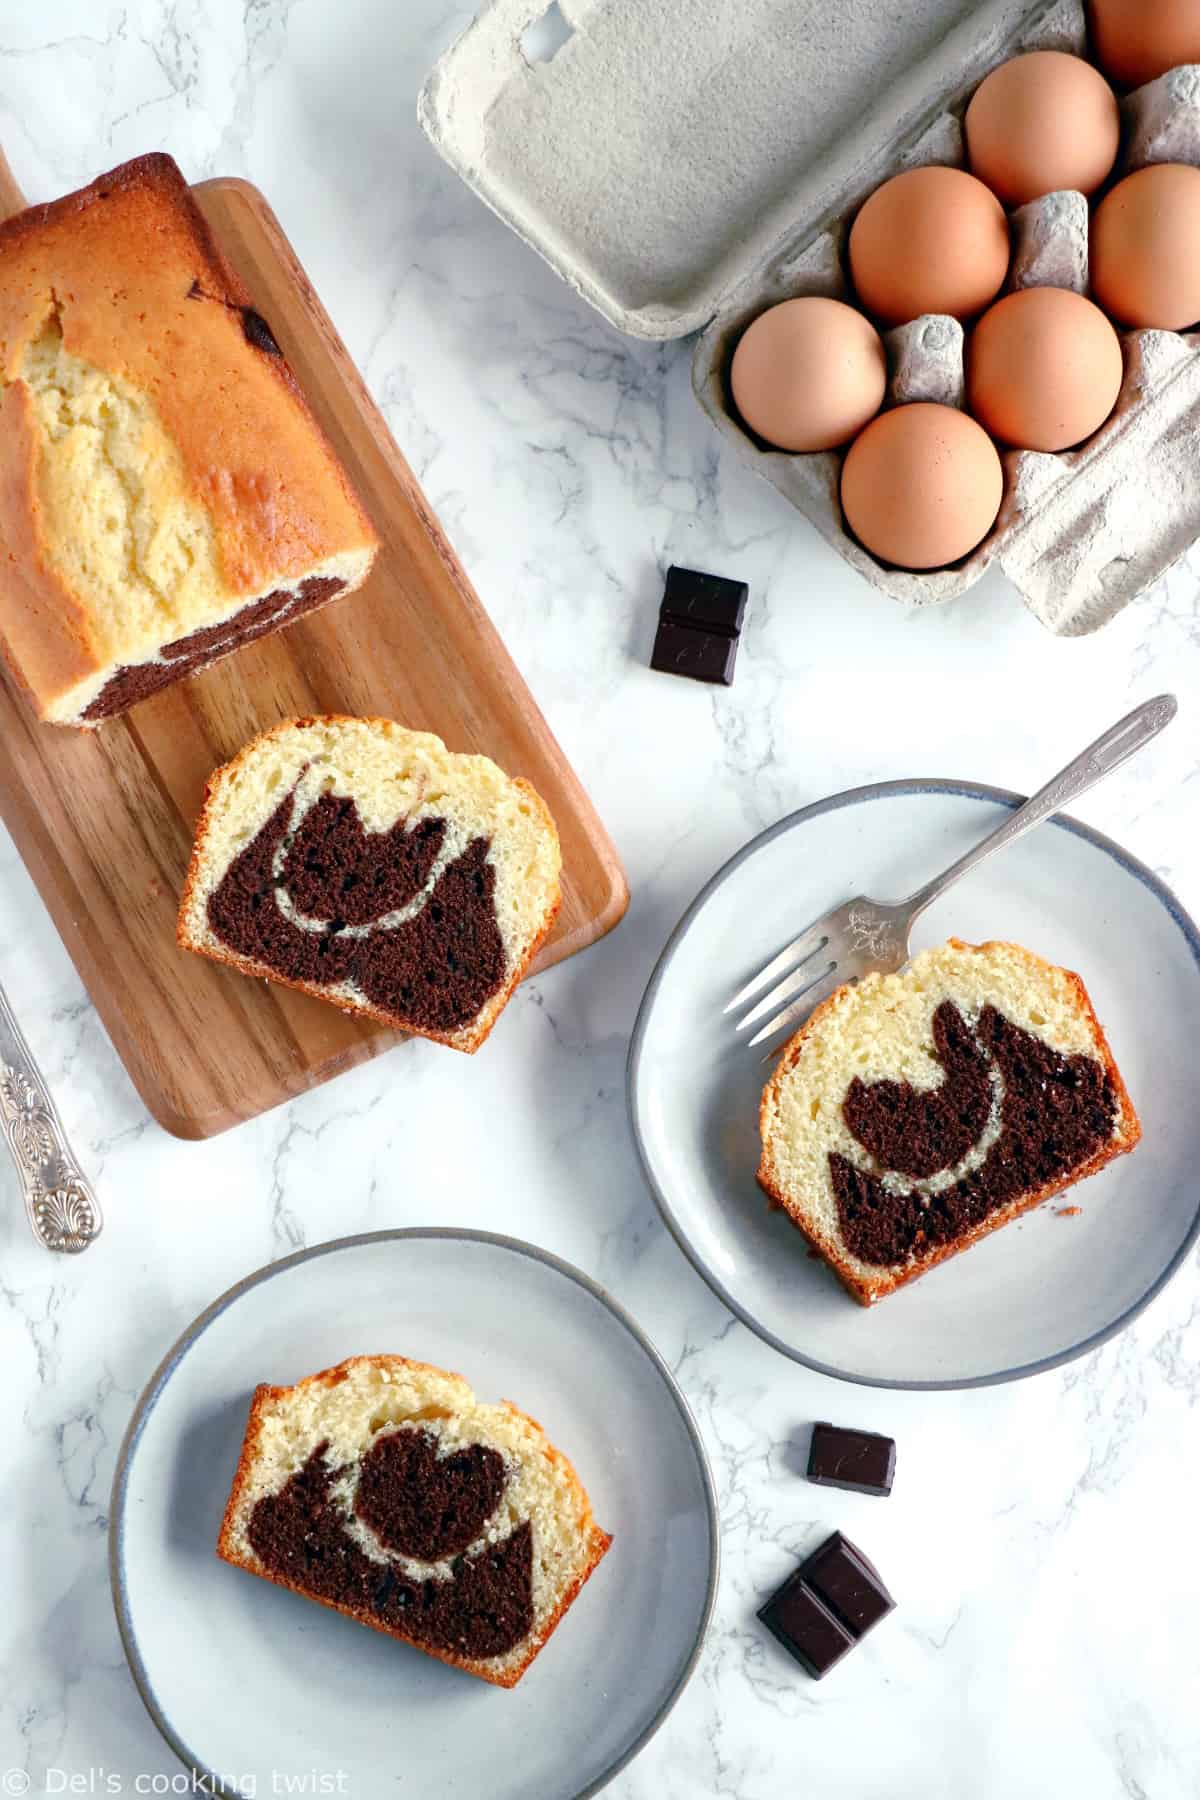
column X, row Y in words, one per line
column 684, row 164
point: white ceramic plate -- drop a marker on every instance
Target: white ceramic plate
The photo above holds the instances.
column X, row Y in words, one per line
column 1042, row 1290
column 252, row 1685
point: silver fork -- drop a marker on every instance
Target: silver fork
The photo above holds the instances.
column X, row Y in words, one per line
column 59, row 1202
column 864, row 937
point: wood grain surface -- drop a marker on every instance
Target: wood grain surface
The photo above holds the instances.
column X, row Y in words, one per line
column 104, row 819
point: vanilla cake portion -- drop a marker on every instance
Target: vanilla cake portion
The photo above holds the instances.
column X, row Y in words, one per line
column 165, row 493
column 913, row 1113
column 370, row 866
column 384, row 1489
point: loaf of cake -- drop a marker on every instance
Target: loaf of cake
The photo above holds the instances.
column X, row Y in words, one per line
column 914, row 1113
column 372, row 867
column 165, row 493
column 384, row 1489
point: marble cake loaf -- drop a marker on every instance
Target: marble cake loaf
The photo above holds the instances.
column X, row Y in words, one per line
column 914, row 1113
column 165, row 493
column 374, row 868
column 384, row 1489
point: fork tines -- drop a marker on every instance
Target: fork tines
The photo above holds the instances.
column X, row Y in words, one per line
column 800, row 972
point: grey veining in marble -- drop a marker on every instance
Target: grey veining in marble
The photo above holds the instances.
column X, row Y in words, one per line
column 569, row 466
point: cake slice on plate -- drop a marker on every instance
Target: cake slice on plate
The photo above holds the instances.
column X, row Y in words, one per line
column 370, row 866
column 165, row 493
column 384, row 1489
column 914, row 1113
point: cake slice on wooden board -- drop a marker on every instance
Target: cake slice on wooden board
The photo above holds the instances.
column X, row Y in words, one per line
column 165, row 493
column 913, row 1113
column 384, row 1489
column 370, row 866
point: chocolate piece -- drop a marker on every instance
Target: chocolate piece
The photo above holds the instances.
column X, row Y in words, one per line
column 254, row 326
column 1056, row 1113
column 258, row 332
column 188, row 655
column 710, row 602
column 849, row 1584
column 483, row 1608
column 831, row 1601
column 863, row 1462
column 699, row 623
column 434, row 971
column 701, row 655
column 425, row 1505
column 806, row 1628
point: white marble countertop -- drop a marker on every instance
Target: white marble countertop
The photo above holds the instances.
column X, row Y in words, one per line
column 1044, row 1541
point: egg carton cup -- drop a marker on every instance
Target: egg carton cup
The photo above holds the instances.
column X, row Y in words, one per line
column 1051, row 240
column 1162, row 120
column 684, row 164
column 926, row 361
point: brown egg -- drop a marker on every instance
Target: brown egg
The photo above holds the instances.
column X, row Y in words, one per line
column 931, row 240
column 1040, row 123
column 1135, row 40
column 1146, row 248
column 921, row 486
column 808, row 374
column 1044, row 369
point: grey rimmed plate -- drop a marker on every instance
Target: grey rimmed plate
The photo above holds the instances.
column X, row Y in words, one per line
column 252, row 1686
column 1038, row 1292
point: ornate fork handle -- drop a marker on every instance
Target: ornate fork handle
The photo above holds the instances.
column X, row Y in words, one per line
column 62, row 1209
column 1114, row 747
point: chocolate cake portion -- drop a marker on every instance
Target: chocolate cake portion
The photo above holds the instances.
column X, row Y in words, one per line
column 331, row 859
column 432, row 970
column 425, row 1505
column 483, row 1609
column 916, row 1132
column 1055, row 1113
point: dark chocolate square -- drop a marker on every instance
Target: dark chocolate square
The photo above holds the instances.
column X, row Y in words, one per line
column 711, row 602
column 848, row 1585
column 805, row 1627
column 701, row 655
column 863, row 1462
column 830, row 1602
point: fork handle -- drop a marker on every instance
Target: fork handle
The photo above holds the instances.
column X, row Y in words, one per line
column 59, row 1201
column 1115, row 747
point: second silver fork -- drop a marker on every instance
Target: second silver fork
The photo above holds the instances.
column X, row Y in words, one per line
column 865, row 937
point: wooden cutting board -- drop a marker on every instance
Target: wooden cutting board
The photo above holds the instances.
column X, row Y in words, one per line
column 104, row 819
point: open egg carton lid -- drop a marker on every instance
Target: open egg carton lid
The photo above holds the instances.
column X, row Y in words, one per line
column 685, row 163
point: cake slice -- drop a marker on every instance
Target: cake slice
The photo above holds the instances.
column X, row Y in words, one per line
column 165, row 493
column 370, row 866
column 914, row 1113
column 384, row 1489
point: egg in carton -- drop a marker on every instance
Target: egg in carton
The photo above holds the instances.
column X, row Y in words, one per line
column 1081, row 533
column 685, row 164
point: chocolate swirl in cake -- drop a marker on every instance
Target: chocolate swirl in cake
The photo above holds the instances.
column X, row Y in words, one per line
column 188, row 655
column 1046, row 1116
column 483, row 1608
column 331, row 902
column 425, row 1505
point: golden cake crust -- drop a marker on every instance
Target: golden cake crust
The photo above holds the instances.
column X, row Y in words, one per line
column 142, row 293
column 868, row 1290
column 599, row 1540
